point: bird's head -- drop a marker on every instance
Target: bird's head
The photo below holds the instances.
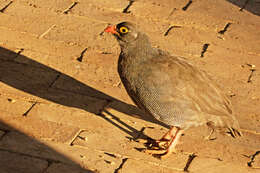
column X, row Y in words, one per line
column 125, row 32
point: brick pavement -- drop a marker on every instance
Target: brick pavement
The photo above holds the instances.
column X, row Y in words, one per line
column 59, row 114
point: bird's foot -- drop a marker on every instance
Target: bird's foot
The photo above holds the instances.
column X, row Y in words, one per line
column 157, row 144
column 162, row 143
column 163, row 147
column 159, row 148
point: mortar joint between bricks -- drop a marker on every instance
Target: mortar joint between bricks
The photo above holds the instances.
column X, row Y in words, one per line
column 5, row 7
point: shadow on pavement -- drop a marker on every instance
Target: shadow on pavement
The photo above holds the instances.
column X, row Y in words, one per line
column 21, row 153
column 252, row 6
column 37, row 79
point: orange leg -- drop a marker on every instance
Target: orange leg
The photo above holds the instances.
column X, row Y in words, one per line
column 168, row 135
column 164, row 141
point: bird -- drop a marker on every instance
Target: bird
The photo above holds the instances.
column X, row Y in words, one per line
column 170, row 89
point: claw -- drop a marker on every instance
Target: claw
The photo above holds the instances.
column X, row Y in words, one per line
column 158, row 143
column 163, row 144
column 154, row 144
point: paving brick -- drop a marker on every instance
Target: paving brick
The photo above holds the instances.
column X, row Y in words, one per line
column 47, row 61
column 203, row 11
column 26, row 78
column 49, row 5
column 13, row 162
column 14, row 107
column 99, row 68
column 164, row 3
column 63, row 168
column 151, row 10
column 71, row 99
column 90, row 88
column 21, row 143
column 214, row 166
column 99, row 13
column 46, row 112
column 248, row 117
column 85, row 71
column 70, row 116
column 18, row 39
column 90, row 104
column 183, row 41
column 65, row 134
column 141, row 166
column 19, row 16
column 79, row 31
column 29, row 24
column 113, row 5
column 238, row 35
column 205, row 6
column 42, row 129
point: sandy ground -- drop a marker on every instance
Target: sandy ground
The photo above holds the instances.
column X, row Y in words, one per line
column 64, row 109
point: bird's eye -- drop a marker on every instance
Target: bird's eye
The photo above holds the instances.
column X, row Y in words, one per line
column 123, row 30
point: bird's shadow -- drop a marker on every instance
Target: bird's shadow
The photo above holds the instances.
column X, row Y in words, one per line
column 38, row 80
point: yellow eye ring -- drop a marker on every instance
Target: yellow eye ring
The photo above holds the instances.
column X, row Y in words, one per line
column 123, row 30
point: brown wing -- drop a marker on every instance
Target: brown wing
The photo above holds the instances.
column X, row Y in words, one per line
column 179, row 94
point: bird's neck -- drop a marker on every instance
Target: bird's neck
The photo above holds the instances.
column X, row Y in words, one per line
column 139, row 49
